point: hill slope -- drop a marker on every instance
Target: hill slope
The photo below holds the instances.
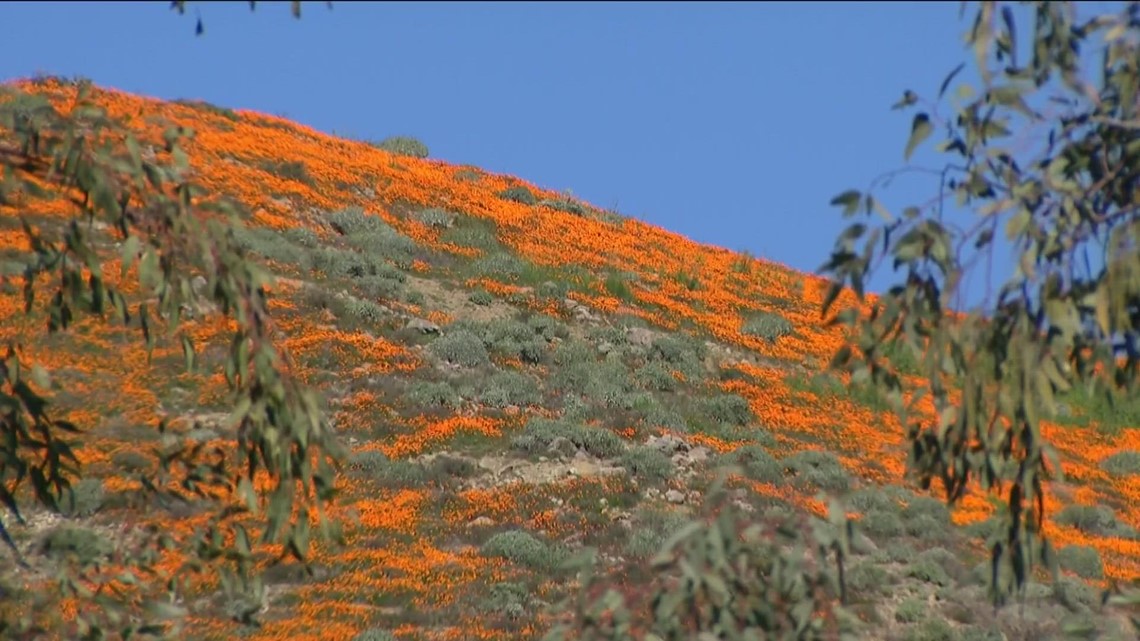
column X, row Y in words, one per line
column 519, row 375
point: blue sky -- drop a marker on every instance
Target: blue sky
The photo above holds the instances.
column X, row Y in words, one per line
column 731, row 123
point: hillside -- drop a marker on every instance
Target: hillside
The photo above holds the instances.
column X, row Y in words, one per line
column 520, row 375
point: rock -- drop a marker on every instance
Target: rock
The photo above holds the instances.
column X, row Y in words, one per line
column 640, row 336
column 569, row 304
column 699, row 454
column 675, row 496
column 667, row 444
column 605, row 347
column 198, row 285
column 563, row 447
column 423, row 325
column 482, row 521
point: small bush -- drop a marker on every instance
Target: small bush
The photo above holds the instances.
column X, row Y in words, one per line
column 473, row 235
column 435, row 218
column 364, row 311
column 1099, row 520
column 928, row 570
column 501, row 265
column 510, row 388
column 523, row 548
column 519, row 194
column 731, row 409
column 302, row 237
column 647, row 462
column 437, row 394
column 653, row 528
column 932, row 629
column 369, row 461
column 84, row 499
column 881, row 525
column 461, row 348
column 353, row 221
column 539, row 433
column 866, row 578
column 657, row 377
column 910, row 611
column 130, row 461
column 1082, row 560
column 770, row 327
column 758, row 464
column 272, row 244
column 819, row 469
column 288, row 169
column 80, row 544
column 1126, row 463
column 403, row 146
column 481, row 297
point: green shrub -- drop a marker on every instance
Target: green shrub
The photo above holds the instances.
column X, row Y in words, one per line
column 866, row 577
column 818, row 469
column 757, row 463
column 539, row 433
column 130, row 461
column 610, row 385
column 565, row 204
column 519, row 194
column 472, row 234
column 770, row 327
column 617, row 287
column 83, row 545
column 508, row 598
column 927, row 568
column 731, row 409
column 523, row 548
column 272, row 244
column 881, row 525
column 500, row 265
column 1082, row 560
column 910, row 611
column 364, row 311
column 84, row 499
column 481, row 297
column 461, row 348
column 932, row 629
column 437, row 394
column 919, row 506
column 573, row 352
column 287, row 169
column 1099, row 520
column 354, row 220
column 370, row 461
column 657, row 376
column 510, row 388
column 302, row 237
column 547, row 327
column 435, row 218
column 647, row 462
column 403, row 146
column 883, row 499
column 1126, row 463
column 652, row 529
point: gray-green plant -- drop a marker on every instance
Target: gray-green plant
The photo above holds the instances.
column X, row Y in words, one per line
column 1063, row 318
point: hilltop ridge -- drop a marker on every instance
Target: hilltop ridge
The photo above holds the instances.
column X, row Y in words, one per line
column 520, row 374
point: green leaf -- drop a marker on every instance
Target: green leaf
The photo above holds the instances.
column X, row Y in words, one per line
column 849, row 200
column 949, row 79
column 909, row 98
column 130, row 252
column 920, row 130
